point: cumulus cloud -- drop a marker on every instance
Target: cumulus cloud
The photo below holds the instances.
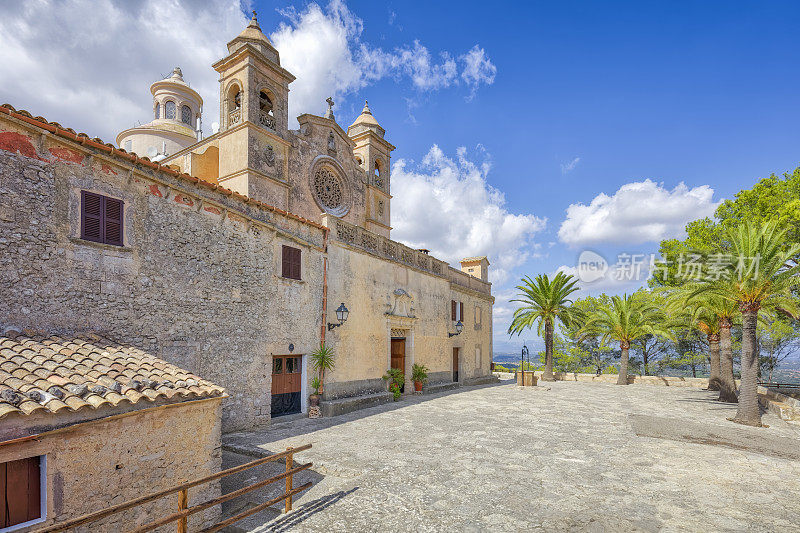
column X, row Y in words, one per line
column 324, row 49
column 639, row 212
column 570, row 165
column 88, row 64
column 445, row 204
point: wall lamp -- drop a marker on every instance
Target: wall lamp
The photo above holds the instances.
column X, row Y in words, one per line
column 341, row 315
column 459, row 328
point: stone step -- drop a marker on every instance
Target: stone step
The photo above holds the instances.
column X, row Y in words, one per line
column 439, row 387
column 341, row 406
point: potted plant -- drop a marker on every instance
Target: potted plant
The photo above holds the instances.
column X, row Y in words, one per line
column 313, row 399
column 322, row 359
column 396, row 378
column 419, row 375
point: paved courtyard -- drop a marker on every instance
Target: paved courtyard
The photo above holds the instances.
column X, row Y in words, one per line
column 564, row 456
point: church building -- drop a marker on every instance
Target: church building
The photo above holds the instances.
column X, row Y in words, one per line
column 236, row 255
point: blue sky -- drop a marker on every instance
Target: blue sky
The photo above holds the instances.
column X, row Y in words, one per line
column 525, row 131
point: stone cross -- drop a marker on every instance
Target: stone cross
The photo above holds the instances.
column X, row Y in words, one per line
column 329, row 112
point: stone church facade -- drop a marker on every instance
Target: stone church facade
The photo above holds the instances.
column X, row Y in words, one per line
column 228, row 256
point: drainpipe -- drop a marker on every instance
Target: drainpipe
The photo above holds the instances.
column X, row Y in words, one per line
column 323, row 327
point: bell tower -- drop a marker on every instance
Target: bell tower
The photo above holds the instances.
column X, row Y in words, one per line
column 254, row 118
column 373, row 154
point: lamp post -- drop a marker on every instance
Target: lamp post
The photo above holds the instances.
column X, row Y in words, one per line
column 459, row 328
column 341, row 315
column 525, row 352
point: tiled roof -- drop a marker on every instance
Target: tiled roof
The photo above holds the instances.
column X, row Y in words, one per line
column 65, row 374
column 130, row 157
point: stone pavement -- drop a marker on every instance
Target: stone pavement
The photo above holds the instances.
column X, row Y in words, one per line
column 560, row 457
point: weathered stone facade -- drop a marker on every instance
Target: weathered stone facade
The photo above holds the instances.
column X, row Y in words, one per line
column 102, row 458
column 198, row 280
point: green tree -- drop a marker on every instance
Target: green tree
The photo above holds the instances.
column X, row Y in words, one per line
column 777, row 338
column 544, row 302
column 761, row 275
column 624, row 320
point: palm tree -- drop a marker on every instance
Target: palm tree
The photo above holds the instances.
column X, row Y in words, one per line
column 624, row 320
column 544, row 302
column 762, row 274
column 713, row 316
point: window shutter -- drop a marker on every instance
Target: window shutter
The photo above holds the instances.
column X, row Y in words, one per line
column 453, row 310
column 91, row 216
column 461, row 312
column 296, row 263
column 113, row 221
column 286, row 268
column 290, row 262
column 21, row 491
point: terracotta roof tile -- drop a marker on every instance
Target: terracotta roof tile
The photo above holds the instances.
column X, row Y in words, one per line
column 68, row 374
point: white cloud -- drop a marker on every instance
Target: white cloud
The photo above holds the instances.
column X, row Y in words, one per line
column 446, row 205
column 324, row 49
column 88, row 64
column 478, row 69
column 638, row 212
column 570, row 165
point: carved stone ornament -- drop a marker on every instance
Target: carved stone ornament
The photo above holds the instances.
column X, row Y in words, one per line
column 331, row 143
column 402, row 304
column 380, row 208
column 329, row 191
column 270, row 155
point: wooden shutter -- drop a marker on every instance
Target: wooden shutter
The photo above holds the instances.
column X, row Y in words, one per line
column 21, row 492
column 91, row 216
column 290, row 262
column 453, row 310
column 112, row 221
column 461, row 312
column 286, row 265
column 296, row 263
column 101, row 218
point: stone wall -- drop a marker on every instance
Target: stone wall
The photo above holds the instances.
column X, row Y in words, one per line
column 197, row 282
column 389, row 298
column 93, row 465
column 664, row 381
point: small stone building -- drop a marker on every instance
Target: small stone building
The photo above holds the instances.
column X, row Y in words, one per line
column 87, row 423
column 229, row 255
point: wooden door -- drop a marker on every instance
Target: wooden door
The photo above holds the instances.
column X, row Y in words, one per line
column 399, row 357
column 286, row 376
column 455, row 365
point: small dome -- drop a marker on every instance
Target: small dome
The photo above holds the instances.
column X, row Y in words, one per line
column 365, row 117
column 365, row 122
column 253, row 31
column 253, row 35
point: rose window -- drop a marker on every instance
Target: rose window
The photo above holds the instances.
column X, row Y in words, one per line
column 329, row 192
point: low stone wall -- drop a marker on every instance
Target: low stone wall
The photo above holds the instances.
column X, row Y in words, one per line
column 665, row 381
column 786, row 407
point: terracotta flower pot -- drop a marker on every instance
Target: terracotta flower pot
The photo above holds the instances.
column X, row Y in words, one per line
column 418, row 386
column 313, row 400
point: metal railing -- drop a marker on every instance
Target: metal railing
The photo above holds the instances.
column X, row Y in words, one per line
column 773, row 385
column 184, row 511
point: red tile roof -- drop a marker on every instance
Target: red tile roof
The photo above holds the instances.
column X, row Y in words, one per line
column 82, row 138
column 66, row 374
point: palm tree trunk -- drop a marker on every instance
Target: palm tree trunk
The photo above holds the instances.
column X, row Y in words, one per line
column 748, row 411
column 622, row 379
column 727, row 383
column 713, row 351
column 547, row 375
